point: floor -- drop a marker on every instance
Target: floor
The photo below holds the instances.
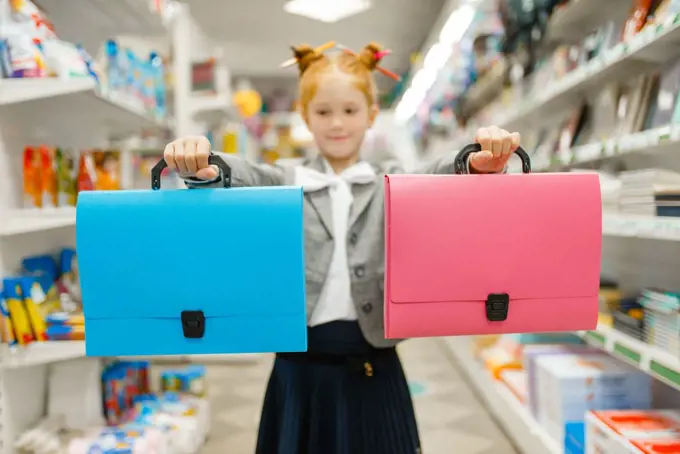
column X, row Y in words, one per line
column 450, row 418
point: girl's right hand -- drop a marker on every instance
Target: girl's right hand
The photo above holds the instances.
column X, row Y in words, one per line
column 189, row 157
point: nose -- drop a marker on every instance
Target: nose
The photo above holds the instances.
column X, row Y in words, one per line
column 336, row 122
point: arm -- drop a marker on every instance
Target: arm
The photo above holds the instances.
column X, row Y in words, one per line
column 243, row 173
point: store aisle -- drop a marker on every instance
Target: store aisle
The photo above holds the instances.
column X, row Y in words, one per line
column 450, row 418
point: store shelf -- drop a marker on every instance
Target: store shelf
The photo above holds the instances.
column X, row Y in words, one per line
column 514, row 417
column 646, row 227
column 569, row 23
column 22, row 90
column 41, row 353
column 653, row 141
column 37, row 106
column 35, row 220
column 653, row 360
column 656, row 45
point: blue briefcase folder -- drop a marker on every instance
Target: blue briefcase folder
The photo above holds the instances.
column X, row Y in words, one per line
column 192, row 271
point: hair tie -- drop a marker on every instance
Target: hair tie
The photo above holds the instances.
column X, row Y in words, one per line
column 378, row 56
column 382, row 54
column 319, row 50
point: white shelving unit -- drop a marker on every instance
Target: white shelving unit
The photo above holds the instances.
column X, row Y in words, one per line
column 644, row 53
column 638, row 251
column 642, row 227
column 513, row 416
column 71, row 113
column 41, row 353
column 77, row 113
column 653, row 360
column 22, row 221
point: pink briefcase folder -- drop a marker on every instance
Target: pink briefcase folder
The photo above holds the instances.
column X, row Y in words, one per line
column 490, row 254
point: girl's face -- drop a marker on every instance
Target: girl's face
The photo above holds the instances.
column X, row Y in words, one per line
column 338, row 116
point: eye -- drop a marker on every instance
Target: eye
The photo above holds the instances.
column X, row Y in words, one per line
column 350, row 110
column 323, row 112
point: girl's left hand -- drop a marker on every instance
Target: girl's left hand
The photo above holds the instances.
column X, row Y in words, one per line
column 497, row 147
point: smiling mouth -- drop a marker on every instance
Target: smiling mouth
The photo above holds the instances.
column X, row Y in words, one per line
column 339, row 139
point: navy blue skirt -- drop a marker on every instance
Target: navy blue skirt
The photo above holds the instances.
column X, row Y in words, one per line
column 341, row 397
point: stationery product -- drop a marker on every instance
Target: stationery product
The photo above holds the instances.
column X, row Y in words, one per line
column 33, row 192
column 485, row 254
column 667, row 96
column 570, row 385
column 613, row 431
column 181, row 270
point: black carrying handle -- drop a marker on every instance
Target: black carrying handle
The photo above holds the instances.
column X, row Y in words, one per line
column 212, row 160
column 460, row 163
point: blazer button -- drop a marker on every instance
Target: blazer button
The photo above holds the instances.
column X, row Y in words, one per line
column 359, row 271
column 367, row 308
column 353, row 239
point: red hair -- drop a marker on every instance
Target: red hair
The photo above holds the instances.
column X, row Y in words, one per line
column 312, row 64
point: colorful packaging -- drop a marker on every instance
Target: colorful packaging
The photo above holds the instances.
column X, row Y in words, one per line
column 107, row 168
column 612, row 431
column 17, row 311
column 8, row 336
column 571, row 385
column 113, row 386
column 86, row 172
column 26, row 60
column 67, row 177
column 5, row 60
column 133, row 86
column 65, row 319
column 69, row 282
column 196, row 384
column 170, row 381
column 65, row 332
column 115, row 67
column 32, row 179
column 662, row 446
column 43, row 269
column 158, row 75
column 33, row 296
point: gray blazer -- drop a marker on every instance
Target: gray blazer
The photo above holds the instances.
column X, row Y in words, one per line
column 365, row 241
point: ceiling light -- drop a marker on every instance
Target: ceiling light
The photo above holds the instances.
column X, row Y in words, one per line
column 437, row 56
column 326, row 10
column 458, row 23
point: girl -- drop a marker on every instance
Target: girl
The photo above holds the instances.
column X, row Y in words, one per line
column 347, row 394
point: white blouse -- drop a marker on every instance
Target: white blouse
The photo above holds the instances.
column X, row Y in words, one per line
column 335, row 301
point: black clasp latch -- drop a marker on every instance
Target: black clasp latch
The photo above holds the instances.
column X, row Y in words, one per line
column 193, row 324
column 497, row 305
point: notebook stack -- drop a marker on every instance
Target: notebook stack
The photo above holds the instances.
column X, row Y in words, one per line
column 610, row 187
column 650, row 192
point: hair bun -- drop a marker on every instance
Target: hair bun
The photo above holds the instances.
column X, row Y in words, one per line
column 369, row 55
column 305, row 55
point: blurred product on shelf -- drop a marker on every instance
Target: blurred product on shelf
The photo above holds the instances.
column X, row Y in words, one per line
column 42, row 303
column 134, row 79
column 189, row 380
column 53, row 177
column 650, row 192
column 181, row 414
column 619, row 118
column 569, row 388
column 631, row 431
column 278, row 139
column 30, row 48
column 570, row 385
column 137, row 419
